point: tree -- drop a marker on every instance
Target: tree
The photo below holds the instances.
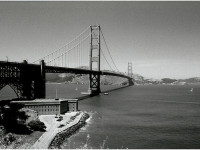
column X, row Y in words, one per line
column 14, row 120
column 37, row 125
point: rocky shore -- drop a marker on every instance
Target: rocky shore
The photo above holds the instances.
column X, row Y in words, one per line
column 60, row 137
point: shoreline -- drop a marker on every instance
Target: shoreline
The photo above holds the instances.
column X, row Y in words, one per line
column 101, row 93
column 66, row 133
column 61, row 136
column 58, row 135
column 57, row 130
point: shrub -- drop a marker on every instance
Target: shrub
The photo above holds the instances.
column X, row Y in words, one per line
column 37, row 125
column 8, row 139
column 14, row 120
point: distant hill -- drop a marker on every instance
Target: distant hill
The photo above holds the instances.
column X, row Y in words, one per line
column 59, row 78
column 111, row 80
column 141, row 80
column 190, row 80
column 167, row 80
column 82, row 79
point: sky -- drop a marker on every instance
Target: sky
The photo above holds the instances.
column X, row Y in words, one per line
column 161, row 39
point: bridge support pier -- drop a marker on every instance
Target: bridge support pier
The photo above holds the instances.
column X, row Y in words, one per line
column 40, row 87
column 94, row 88
column 33, row 81
column 130, row 81
column 26, row 91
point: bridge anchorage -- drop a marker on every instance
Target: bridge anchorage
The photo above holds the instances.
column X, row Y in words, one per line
column 28, row 80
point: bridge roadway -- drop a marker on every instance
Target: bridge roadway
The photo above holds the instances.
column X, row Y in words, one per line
column 55, row 69
column 28, row 80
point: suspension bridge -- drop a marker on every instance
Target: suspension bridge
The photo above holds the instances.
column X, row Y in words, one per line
column 88, row 53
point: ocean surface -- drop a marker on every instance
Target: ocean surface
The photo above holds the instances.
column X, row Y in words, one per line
column 145, row 116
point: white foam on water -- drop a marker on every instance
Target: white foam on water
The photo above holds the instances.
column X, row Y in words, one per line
column 88, row 120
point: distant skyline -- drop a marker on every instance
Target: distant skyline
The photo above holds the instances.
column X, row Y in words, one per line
column 161, row 39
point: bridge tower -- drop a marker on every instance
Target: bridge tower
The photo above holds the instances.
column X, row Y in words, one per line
column 130, row 70
column 130, row 74
column 94, row 78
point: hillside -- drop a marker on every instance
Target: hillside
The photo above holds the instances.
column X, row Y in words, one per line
column 59, row 78
column 168, row 80
column 111, row 80
column 82, row 79
column 191, row 80
column 141, row 80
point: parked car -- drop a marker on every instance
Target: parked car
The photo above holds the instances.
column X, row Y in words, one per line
column 60, row 126
column 59, row 119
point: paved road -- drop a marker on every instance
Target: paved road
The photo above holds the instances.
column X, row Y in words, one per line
column 52, row 129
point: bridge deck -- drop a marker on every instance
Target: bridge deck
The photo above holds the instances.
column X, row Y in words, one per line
column 53, row 69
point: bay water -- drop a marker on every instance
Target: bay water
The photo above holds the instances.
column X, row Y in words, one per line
column 145, row 116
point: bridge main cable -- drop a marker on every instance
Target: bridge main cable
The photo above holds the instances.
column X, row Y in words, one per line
column 109, row 51
column 56, row 52
column 67, row 51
